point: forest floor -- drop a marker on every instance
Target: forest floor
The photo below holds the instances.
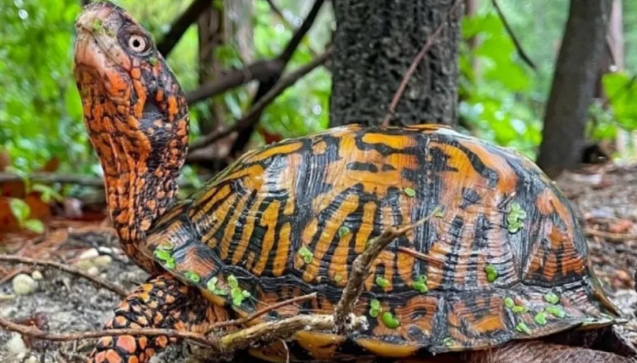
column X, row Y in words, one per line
column 606, row 197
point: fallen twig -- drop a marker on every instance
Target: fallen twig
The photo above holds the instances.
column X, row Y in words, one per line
column 412, row 67
column 360, row 270
column 279, row 330
column 72, row 270
column 515, row 40
column 228, row 343
column 33, row 332
column 259, row 106
column 615, row 237
column 261, row 312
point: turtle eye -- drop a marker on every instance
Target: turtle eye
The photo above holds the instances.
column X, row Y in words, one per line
column 137, row 43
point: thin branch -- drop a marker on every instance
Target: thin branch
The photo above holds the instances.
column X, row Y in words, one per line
column 412, row 67
column 285, row 20
column 179, row 26
column 278, row 12
column 282, row 329
column 290, row 48
column 36, row 333
column 259, row 71
column 72, row 270
column 515, row 40
column 51, row 178
column 360, row 270
column 267, row 85
column 258, row 107
column 261, row 312
column 228, row 343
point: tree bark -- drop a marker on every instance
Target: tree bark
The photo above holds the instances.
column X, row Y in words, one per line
column 563, row 136
column 211, row 35
column 374, row 45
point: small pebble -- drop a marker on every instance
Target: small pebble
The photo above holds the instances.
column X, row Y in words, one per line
column 84, row 265
column 16, row 345
column 88, row 254
column 93, row 271
column 37, row 275
column 106, row 250
column 102, row 261
column 23, row 284
column 31, row 359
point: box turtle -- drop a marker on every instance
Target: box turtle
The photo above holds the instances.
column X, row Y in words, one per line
column 499, row 273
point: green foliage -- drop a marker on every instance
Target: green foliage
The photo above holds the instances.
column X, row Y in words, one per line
column 497, row 95
column 20, row 209
column 39, row 107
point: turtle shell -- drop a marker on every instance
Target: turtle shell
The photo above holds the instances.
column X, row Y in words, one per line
column 502, row 258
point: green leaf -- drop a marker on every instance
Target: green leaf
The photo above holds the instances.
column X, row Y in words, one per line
column 374, row 308
column 540, row 318
column 523, row 328
column 520, row 309
column 509, row 303
column 34, row 225
column 420, row 284
column 382, row 282
column 492, row 272
column 343, row 231
column 47, row 193
column 20, row 209
column 306, row 254
column 551, row 298
column 233, row 282
column 192, row 276
column 555, row 311
column 162, row 255
column 170, row 263
column 439, row 213
column 515, row 218
column 389, row 320
column 409, row 192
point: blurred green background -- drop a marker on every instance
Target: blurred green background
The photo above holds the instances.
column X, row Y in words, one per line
column 502, row 98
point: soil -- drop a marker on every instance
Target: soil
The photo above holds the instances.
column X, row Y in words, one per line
column 606, row 198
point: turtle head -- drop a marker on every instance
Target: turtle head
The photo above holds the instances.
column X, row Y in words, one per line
column 135, row 113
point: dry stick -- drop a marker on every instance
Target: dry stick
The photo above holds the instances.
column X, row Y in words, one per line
column 227, row 343
column 72, row 270
column 360, row 270
column 515, row 40
column 261, row 312
column 34, row 332
column 281, row 86
column 219, row 344
column 616, row 237
column 279, row 330
column 412, row 68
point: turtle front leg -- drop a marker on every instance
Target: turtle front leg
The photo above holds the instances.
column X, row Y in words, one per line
column 162, row 302
column 543, row 352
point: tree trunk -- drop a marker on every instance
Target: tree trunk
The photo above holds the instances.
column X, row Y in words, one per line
column 211, row 35
column 563, row 137
column 374, row 44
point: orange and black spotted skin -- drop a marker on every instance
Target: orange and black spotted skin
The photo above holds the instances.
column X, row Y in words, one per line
column 502, row 258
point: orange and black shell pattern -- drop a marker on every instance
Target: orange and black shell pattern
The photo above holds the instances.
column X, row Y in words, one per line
column 502, row 258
